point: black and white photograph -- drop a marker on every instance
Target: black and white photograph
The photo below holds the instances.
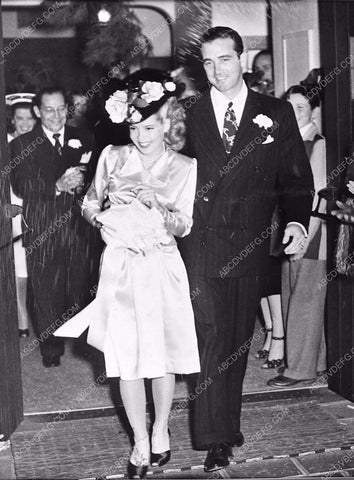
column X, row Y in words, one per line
column 177, row 239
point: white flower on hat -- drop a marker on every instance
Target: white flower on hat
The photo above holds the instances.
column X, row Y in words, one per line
column 120, row 95
column 153, row 91
column 117, row 106
column 135, row 116
column 74, row 143
column 263, row 121
column 170, row 86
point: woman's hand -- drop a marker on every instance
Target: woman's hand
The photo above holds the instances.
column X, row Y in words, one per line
column 146, row 195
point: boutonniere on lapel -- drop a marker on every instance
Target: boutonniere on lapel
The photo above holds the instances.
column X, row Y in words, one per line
column 268, row 126
column 74, row 143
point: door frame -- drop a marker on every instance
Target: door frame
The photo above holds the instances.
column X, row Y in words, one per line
column 335, row 31
column 11, row 396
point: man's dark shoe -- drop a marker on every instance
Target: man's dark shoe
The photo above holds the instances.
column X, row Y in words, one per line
column 282, row 381
column 49, row 360
column 217, row 457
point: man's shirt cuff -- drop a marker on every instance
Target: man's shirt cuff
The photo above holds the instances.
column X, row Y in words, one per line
column 300, row 225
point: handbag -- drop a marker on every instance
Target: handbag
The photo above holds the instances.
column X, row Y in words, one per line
column 344, row 251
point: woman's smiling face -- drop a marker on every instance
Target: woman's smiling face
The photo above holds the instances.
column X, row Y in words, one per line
column 23, row 120
column 148, row 135
column 302, row 108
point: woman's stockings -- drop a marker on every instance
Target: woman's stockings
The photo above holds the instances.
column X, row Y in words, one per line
column 162, row 391
column 134, row 401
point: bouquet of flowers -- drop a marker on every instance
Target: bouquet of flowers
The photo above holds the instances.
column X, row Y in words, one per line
column 133, row 226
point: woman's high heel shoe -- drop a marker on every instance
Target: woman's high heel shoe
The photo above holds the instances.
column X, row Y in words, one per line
column 277, row 362
column 263, row 353
column 160, row 459
column 136, row 471
column 138, row 463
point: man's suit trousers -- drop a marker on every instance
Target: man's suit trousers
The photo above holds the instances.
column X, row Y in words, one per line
column 225, row 312
column 60, row 289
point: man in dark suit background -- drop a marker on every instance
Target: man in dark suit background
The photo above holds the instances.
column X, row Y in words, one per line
column 248, row 147
column 47, row 176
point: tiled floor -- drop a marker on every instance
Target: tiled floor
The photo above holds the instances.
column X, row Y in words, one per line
column 283, row 438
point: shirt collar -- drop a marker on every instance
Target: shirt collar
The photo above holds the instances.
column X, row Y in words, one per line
column 305, row 129
column 50, row 134
column 239, row 98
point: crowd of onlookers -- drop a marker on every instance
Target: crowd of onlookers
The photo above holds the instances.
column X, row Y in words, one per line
column 131, row 178
column 292, row 310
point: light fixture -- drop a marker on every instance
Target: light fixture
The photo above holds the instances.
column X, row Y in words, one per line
column 103, row 15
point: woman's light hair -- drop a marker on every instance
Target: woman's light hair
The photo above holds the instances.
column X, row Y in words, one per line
column 174, row 112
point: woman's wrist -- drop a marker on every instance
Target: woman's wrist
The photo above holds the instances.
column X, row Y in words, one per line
column 97, row 224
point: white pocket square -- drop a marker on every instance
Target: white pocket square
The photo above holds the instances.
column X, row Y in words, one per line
column 85, row 157
column 269, row 139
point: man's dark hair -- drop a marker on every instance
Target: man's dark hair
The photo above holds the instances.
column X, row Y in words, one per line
column 260, row 54
column 48, row 91
column 215, row 33
column 310, row 92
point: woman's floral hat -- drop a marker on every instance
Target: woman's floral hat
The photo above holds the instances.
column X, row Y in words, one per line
column 145, row 92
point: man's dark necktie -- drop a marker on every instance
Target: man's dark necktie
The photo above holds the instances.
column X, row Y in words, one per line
column 229, row 129
column 57, row 145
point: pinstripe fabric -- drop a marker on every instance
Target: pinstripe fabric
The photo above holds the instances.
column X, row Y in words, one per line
column 218, row 308
column 236, row 194
column 227, row 251
column 65, row 255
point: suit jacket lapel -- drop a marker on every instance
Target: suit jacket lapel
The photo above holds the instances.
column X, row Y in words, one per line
column 71, row 155
column 247, row 130
column 46, row 152
column 46, row 144
column 207, row 130
column 206, row 127
column 67, row 136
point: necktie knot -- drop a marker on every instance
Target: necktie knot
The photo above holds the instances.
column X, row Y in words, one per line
column 230, row 128
column 56, row 136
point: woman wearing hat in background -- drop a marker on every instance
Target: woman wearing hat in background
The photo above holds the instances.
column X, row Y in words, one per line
column 22, row 120
column 142, row 317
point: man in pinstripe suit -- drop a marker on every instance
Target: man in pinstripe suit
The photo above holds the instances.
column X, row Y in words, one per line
column 248, row 147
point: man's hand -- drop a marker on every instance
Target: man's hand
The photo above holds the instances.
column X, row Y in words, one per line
column 71, row 178
column 298, row 241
